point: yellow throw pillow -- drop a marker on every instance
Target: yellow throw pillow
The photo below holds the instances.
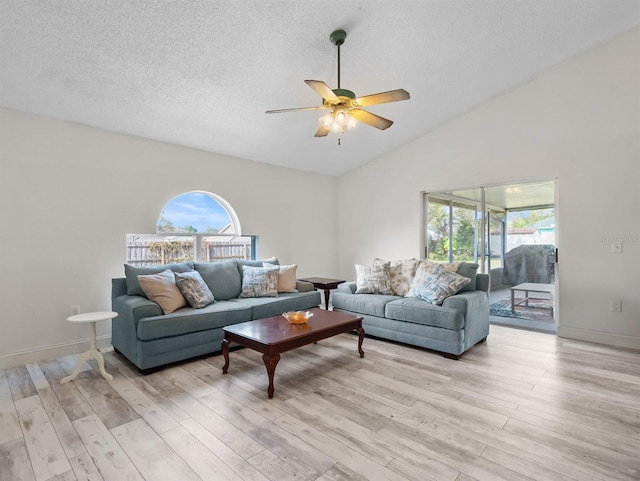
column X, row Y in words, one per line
column 161, row 288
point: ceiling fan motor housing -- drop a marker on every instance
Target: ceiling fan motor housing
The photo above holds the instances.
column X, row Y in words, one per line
column 338, row 37
column 344, row 93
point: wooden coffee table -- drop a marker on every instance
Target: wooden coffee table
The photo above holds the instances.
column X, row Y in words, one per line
column 274, row 335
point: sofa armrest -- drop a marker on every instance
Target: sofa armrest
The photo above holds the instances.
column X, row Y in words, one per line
column 347, row 287
column 124, row 327
column 304, row 286
column 475, row 305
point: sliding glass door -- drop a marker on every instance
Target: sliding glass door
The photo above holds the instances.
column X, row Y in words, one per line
column 452, row 230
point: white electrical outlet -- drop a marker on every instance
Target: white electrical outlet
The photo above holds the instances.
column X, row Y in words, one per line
column 75, row 310
column 616, row 306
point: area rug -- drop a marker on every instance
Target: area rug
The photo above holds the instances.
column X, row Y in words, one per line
column 534, row 313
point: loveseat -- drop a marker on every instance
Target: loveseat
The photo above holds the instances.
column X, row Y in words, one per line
column 149, row 338
column 454, row 326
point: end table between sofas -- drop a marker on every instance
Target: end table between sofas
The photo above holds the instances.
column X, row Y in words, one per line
column 326, row 284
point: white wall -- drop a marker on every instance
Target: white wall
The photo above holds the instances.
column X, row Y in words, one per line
column 579, row 123
column 69, row 194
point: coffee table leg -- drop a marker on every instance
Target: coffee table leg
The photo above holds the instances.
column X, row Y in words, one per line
column 225, row 353
column 360, row 339
column 270, row 362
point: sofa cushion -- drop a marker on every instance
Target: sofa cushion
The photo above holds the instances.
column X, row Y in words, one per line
column 401, row 273
column 286, row 276
column 434, row 283
column 187, row 320
column 161, row 288
column 417, row 311
column 222, row 278
column 373, row 279
column 255, row 263
column 469, row 270
column 132, row 273
column 259, row 281
column 262, row 307
column 194, row 289
column 372, row 304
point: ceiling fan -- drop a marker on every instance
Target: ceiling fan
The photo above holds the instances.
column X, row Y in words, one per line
column 345, row 108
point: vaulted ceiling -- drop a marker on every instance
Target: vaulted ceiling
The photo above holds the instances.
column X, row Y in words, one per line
column 203, row 73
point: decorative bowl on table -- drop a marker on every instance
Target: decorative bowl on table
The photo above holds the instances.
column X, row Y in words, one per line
column 297, row 317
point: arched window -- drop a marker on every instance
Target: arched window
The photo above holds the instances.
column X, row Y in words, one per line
column 198, row 212
column 196, row 225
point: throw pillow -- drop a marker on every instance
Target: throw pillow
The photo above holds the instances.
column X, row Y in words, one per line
column 373, row 279
column 161, row 288
column 434, row 283
column 194, row 289
column 465, row 269
column 132, row 273
column 259, row 281
column 286, row 276
column 401, row 273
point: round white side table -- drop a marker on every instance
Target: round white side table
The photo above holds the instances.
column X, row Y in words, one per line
column 93, row 352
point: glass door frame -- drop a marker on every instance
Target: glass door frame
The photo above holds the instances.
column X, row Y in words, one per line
column 481, row 229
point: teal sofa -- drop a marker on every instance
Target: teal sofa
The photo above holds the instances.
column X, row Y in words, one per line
column 150, row 339
column 451, row 329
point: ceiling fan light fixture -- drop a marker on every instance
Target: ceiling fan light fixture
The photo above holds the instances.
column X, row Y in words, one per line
column 341, row 117
column 326, row 120
column 338, row 120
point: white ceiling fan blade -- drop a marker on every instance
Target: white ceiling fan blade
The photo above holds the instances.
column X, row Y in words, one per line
column 371, row 119
column 383, row 98
column 319, row 107
column 323, row 90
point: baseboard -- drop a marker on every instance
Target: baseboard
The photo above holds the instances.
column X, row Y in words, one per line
column 599, row 337
column 54, row 351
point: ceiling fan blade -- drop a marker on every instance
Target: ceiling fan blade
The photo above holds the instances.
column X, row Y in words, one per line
column 371, row 119
column 319, row 107
column 322, row 131
column 323, row 90
column 383, row 98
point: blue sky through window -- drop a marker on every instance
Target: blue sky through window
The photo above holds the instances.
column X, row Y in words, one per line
column 197, row 210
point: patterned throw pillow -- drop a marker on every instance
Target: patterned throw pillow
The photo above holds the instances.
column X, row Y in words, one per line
column 259, row 281
column 286, row 276
column 194, row 289
column 465, row 269
column 373, row 279
column 161, row 288
column 434, row 283
column 401, row 273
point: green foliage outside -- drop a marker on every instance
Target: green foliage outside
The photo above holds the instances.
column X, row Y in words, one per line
column 463, row 239
column 171, row 251
column 530, row 218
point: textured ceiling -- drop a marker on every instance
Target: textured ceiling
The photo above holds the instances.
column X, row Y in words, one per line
column 202, row 73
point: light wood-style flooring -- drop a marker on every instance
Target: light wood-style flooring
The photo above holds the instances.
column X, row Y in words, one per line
column 524, row 405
